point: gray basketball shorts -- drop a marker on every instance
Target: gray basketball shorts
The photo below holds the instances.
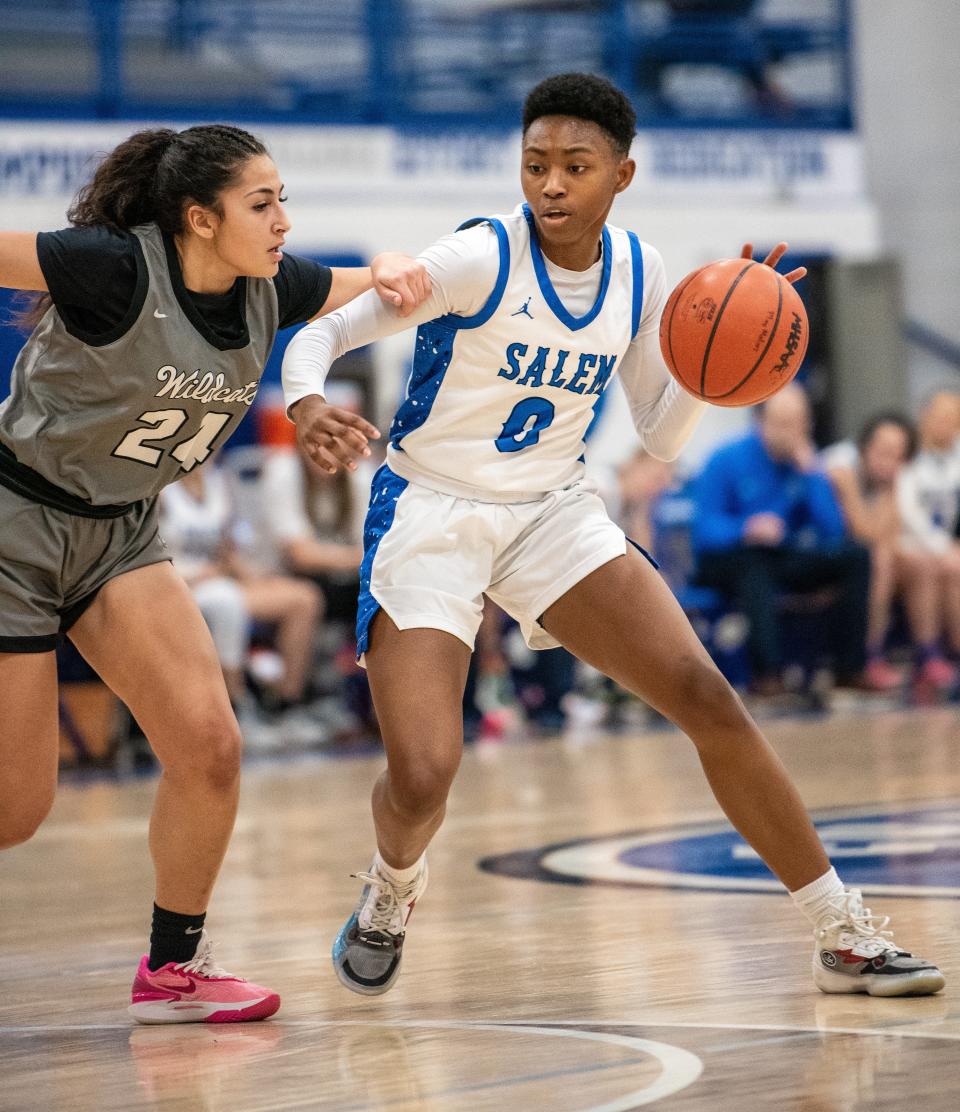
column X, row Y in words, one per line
column 53, row 563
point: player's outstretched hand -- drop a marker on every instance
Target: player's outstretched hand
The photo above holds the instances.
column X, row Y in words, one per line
column 332, row 437
column 773, row 258
column 400, row 281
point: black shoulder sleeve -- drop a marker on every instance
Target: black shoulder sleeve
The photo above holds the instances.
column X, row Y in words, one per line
column 93, row 275
column 302, row 287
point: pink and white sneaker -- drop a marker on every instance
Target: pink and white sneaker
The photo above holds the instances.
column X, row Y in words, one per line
column 197, row 991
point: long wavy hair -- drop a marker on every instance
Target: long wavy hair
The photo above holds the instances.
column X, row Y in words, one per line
column 151, row 178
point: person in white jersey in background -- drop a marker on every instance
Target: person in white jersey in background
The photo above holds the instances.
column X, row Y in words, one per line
column 928, row 497
column 530, row 317
column 199, row 520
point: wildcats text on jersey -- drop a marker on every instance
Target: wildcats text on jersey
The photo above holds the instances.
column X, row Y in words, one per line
column 532, row 372
column 202, row 387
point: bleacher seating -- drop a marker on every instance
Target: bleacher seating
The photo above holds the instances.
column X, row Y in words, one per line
column 419, row 61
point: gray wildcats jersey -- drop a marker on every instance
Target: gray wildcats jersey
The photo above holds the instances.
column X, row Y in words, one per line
column 115, row 422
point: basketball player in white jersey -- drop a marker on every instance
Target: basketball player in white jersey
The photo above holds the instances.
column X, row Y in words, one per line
column 156, row 312
column 531, row 317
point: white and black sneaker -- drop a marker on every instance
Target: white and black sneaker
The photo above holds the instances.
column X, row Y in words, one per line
column 854, row 953
column 369, row 947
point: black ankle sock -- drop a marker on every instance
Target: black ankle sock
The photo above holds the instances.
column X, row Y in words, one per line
column 174, row 937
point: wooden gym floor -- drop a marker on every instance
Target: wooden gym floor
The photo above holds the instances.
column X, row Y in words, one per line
column 517, row 993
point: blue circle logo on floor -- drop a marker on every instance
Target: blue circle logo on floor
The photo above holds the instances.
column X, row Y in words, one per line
column 894, row 850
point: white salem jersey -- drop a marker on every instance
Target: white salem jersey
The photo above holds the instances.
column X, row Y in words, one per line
column 500, row 401
column 513, row 358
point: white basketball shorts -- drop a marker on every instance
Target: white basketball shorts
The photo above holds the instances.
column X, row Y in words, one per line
column 429, row 557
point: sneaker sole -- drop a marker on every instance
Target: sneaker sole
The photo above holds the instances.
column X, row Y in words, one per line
column 924, row 982
column 176, row 1011
column 364, row 990
column 340, row 956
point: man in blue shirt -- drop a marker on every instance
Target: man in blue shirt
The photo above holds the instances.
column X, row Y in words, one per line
column 767, row 522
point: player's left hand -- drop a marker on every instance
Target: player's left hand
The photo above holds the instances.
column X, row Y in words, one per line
column 330, row 436
column 400, row 281
column 773, row 258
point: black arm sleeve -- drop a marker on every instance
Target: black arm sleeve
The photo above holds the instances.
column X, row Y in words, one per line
column 91, row 274
column 302, row 289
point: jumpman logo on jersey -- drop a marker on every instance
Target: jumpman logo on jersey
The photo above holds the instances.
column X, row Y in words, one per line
column 523, row 310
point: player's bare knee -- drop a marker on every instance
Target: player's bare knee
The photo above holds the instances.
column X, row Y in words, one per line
column 19, row 823
column 710, row 709
column 418, row 792
column 213, row 753
column 222, row 768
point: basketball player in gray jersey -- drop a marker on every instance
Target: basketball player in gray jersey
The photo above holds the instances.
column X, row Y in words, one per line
column 155, row 314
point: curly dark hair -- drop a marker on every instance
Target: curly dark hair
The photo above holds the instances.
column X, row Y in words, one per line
column 150, row 178
column 587, row 97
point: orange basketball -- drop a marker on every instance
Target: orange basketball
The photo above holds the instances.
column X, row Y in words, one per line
column 734, row 332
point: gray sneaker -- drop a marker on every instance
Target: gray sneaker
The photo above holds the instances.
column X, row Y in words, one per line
column 368, row 949
column 854, row 953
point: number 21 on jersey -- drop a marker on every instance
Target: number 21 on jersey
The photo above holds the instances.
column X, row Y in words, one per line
column 165, row 423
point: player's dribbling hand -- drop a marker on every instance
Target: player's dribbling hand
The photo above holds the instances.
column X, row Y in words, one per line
column 400, row 281
column 332, row 437
column 773, row 258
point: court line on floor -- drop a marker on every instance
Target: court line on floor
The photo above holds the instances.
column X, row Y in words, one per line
column 898, row 1029
column 679, row 1068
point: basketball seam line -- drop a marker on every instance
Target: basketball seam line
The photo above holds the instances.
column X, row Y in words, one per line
column 716, row 324
column 773, row 332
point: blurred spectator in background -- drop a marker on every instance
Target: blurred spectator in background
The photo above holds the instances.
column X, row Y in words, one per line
column 314, row 523
column 313, row 526
column 768, row 522
column 488, row 678
column 196, row 518
column 864, row 475
column 928, row 495
column 642, row 479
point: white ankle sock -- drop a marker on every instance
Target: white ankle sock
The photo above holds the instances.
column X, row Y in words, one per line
column 814, row 898
column 399, row 877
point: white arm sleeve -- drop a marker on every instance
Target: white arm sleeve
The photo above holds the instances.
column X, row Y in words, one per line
column 664, row 414
column 463, row 269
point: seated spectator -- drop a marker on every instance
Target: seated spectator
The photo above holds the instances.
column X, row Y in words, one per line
column 643, row 478
column 312, row 525
column 928, row 496
column 485, row 693
column 864, row 476
column 768, row 522
column 196, row 516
